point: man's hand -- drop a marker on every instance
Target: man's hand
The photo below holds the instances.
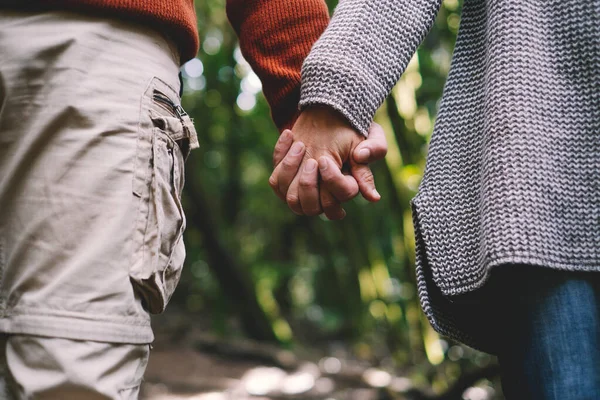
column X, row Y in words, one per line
column 324, row 135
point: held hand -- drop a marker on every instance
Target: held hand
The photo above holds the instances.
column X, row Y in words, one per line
column 292, row 154
column 330, row 139
column 372, row 149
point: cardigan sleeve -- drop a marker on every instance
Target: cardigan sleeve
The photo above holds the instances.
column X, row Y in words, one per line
column 275, row 37
column 360, row 57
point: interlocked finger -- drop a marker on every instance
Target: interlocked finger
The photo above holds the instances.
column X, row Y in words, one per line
column 331, row 206
column 366, row 182
column 308, row 192
column 342, row 187
column 292, row 197
column 286, row 170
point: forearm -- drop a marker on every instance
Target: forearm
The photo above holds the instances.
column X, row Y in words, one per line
column 361, row 55
column 275, row 37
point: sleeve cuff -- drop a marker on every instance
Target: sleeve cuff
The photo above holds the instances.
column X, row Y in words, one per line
column 352, row 94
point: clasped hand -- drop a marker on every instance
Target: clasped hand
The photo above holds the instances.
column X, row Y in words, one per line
column 323, row 162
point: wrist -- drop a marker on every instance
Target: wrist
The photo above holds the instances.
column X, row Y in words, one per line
column 323, row 117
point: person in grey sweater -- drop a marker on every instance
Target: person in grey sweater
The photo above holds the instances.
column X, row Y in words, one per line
column 507, row 218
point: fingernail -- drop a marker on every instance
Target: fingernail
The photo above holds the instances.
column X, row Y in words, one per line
column 323, row 164
column 376, row 194
column 310, row 166
column 364, row 154
column 297, row 148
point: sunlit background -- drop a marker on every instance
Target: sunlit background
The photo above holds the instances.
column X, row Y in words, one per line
column 275, row 306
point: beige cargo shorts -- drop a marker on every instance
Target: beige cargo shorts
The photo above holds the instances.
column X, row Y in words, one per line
column 92, row 148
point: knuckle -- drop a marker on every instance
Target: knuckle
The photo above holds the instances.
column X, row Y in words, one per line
column 288, row 163
column 280, row 148
column 282, row 141
column 367, row 177
column 292, row 200
column 273, row 183
column 306, row 182
column 327, row 176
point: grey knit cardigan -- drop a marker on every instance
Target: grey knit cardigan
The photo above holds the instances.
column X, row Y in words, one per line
column 513, row 170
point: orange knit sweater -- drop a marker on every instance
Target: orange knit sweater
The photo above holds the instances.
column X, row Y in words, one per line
column 275, row 35
column 275, row 38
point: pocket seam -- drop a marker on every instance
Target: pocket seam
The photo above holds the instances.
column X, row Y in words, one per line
column 147, row 270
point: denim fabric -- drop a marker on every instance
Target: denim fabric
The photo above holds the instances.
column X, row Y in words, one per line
column 550, row 346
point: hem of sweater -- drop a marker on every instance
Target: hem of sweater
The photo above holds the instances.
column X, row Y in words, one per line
column 78, row 326
column 528, row 258
column 322, row 101
column 444, row 311
column 476, row 266
column 449, row 315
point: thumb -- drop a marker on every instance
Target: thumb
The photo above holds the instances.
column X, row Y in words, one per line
column 373, row 148
column 366, row 182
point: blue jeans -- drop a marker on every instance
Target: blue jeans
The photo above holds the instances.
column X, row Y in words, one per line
column 550, row 344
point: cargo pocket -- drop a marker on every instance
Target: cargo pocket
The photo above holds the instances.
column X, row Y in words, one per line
column 159, row 251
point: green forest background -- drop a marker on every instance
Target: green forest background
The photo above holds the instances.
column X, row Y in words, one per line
column 255, row 271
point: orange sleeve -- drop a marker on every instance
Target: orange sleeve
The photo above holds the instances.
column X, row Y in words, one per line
column 275, row 37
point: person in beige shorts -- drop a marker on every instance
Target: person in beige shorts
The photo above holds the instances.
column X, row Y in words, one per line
column 91, row 178
column 93, row 142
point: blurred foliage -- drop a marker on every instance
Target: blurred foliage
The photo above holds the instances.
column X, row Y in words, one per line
column 257, row 270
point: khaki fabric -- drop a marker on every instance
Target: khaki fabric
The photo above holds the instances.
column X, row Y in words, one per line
column 92, row 146
column 49, row 368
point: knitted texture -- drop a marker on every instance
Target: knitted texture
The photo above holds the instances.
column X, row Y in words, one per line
column 513, row 170
column 362, row 54
column 176, row 18
column 275, row 37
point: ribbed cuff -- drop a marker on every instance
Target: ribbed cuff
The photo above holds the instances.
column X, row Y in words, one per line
column 353, row 95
